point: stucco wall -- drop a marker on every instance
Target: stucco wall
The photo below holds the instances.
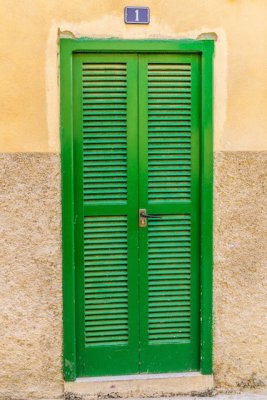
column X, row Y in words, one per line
column 30, row 295
column 240, row 269
column 30, row 278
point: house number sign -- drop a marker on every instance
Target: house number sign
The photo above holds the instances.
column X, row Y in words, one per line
column 136, row 15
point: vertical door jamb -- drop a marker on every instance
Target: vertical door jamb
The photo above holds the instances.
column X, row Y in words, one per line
column 67, row 193
column 206, row 228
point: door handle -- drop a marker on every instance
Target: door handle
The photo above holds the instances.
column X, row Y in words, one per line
column 143, row 216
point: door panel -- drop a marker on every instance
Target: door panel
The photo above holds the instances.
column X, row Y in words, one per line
column 169, row 187
column 136, row 145
column 105, row 152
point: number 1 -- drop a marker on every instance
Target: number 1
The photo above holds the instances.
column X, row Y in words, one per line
column 136, row 15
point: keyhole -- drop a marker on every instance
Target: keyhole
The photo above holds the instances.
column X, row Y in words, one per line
column 136, row 15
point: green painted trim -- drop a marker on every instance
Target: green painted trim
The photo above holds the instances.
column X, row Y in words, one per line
column 206, row 233
column 116, row 45
column 67, row 49
column 66, row 123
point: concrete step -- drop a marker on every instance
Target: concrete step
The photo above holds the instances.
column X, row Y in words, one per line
column 135, row 386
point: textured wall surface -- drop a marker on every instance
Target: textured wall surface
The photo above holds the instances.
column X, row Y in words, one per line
column 240, row 269
column 30, row 277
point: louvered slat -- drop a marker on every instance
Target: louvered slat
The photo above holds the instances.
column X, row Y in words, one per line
column 169, row 132
column 105, row 280
column 104, row 133
column 169, row 261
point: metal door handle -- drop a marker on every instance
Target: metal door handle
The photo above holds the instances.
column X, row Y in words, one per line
column 143, row 216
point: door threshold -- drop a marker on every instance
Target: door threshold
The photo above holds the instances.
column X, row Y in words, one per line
column 143, row 385
column 137, row 377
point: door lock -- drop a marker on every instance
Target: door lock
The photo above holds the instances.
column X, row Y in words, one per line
column 143, row 216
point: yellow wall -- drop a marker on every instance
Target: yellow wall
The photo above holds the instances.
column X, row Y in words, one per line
column 29, row 65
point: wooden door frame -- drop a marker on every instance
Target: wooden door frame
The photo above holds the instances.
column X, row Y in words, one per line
column 205, row 49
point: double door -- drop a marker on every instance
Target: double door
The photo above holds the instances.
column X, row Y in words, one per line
column 137, row 212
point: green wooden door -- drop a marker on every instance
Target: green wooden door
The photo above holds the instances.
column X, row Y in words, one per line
column 136, row 146
column 169, row 187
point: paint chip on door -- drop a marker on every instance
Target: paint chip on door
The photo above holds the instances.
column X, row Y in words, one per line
column 136, row 15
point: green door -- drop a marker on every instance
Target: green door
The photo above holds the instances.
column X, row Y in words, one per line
column 136, row 147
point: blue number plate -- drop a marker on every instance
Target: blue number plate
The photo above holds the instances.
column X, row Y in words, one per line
column 136, row 15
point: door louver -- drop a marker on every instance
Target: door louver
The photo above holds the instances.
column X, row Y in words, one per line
column 169, row 132
column 104, row 128
column 105, row 280
column 169, row 265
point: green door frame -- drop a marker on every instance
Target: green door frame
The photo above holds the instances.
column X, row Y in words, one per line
column 68, row 48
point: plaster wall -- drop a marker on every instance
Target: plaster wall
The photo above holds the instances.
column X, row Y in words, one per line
column 29, row 86
column 240, row 269
column 30, row 279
